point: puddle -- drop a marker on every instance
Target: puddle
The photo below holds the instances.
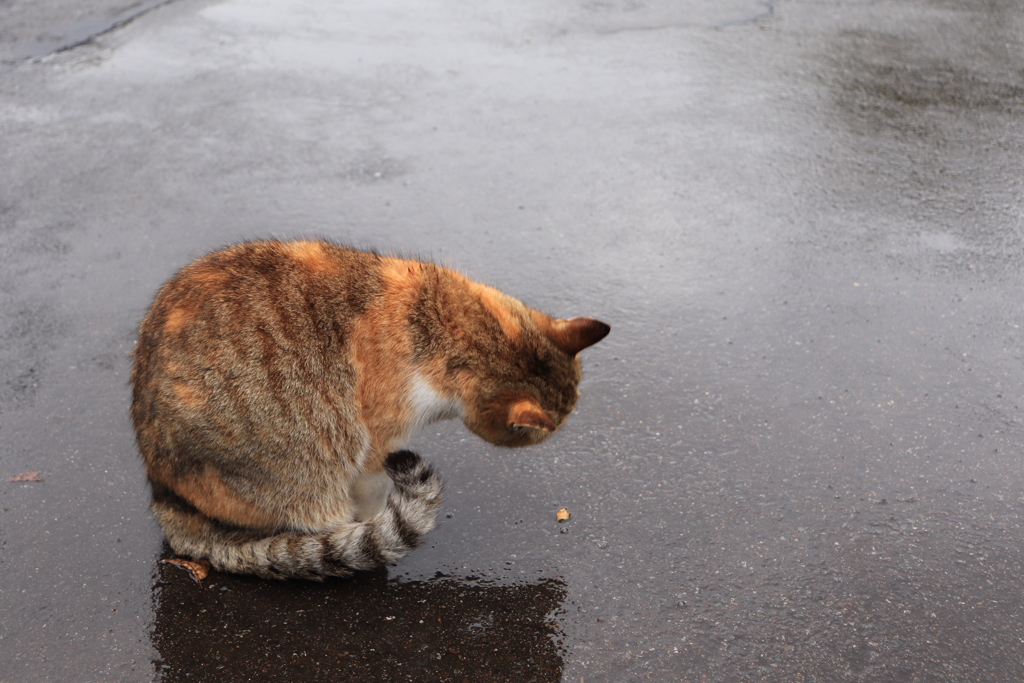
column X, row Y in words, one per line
column 242, row 629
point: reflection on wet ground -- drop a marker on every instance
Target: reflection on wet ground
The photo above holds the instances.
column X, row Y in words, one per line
column 365, row 628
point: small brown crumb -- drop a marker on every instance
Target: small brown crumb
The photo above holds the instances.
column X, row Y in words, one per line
column 27, row 476
column 563, row 514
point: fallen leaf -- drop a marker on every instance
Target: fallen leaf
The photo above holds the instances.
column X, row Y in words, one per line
column 197, row 569
column 26, row 476
column 563, row 515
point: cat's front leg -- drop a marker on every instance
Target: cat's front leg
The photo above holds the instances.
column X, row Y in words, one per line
column 369, row 494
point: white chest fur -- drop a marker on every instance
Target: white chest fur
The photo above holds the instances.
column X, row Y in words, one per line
column 429, row 405
column 369, row 491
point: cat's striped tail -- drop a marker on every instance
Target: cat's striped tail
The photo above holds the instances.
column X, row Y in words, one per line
column 410, row 512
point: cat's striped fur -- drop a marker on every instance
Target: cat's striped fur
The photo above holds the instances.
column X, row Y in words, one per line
column 276, row 385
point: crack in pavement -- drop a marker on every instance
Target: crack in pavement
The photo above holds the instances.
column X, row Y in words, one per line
column 79, row 33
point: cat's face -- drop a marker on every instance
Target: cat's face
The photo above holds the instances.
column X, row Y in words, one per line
column 528, row 392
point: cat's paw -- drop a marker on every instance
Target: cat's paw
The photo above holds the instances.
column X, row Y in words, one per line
column 414, row 477
column 401, row 462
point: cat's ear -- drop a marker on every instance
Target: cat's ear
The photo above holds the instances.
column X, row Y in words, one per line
column 575, row 334
column 526, row 412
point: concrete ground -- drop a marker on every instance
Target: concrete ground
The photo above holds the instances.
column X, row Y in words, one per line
column 798, row 456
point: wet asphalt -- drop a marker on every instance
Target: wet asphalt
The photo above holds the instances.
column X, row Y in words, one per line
column 798, row 456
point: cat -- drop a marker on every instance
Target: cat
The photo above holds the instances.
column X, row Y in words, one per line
column 275, row 386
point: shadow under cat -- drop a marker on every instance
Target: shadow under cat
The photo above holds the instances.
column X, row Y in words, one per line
column 363, row 628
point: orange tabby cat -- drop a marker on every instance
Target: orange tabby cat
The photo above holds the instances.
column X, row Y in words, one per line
column 276, row 385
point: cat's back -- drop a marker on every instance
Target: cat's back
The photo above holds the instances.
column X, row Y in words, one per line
column 243, row 383
column 249, row 339
column 258, row 283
